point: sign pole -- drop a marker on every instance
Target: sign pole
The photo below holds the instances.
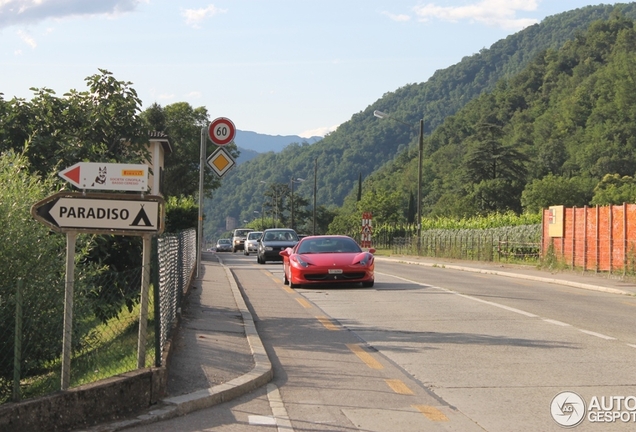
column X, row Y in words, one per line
column 71, row 237
column 200, row 223
column 143, row 313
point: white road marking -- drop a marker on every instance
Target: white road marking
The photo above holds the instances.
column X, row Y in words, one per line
column 261, row 420
column 528, row 314
column 599, row 335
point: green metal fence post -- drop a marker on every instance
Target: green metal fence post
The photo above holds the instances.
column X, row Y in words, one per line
column 17, row 348
column 157, row 299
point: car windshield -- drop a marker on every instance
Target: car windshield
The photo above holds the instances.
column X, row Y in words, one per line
column 225, row 241
column 280, row 236
column 329, row 245
column 254, row 235
column 241, row 233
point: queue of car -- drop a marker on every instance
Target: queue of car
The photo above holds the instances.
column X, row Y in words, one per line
column 307, row 260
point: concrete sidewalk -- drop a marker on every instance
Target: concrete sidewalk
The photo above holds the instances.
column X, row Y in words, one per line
column 217, row 354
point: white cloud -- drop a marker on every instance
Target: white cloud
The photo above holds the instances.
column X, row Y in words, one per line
column 398, row 18
column 494, row 13
column 26, row 38
column 166, row 96
column 21, row 12
column 322, row 131
column 193, row 95
column 193, row 17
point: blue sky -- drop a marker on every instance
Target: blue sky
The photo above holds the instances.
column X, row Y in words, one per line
column 277, row 67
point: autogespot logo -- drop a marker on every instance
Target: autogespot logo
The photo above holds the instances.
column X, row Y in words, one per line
column 568, row 409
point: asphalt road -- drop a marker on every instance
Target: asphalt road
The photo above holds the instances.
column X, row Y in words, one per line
column 427, row 349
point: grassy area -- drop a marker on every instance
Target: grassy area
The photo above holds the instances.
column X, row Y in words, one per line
column 109, row 350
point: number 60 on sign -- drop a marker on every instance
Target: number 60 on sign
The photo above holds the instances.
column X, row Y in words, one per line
column 222, row 131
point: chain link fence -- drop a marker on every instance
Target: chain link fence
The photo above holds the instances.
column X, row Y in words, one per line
column 514, row 243
column 105, row 324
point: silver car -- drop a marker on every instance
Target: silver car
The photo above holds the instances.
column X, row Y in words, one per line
column 251, row 243
column 224, row 245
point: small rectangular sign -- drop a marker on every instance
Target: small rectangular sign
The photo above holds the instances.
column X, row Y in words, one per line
column 107, row 176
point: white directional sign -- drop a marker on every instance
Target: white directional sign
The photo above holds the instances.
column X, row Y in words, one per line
column 107, row 176
column 101, row 213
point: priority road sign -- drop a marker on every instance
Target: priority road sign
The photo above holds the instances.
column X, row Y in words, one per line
column 101, row 213
column 222, row 131
column 107, row 176
column 220, row 161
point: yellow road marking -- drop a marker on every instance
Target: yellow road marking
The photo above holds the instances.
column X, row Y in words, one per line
column 288, row 289
column 365, row 356
column 431, row 413
column 399, row 387
column 304, row 303
column 327, row 323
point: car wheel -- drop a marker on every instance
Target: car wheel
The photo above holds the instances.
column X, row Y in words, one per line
column 285, row 281
column 293, row 285
column 261, row 260
column 367, row 284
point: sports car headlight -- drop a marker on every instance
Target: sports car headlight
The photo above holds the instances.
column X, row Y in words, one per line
column 300, row 261
column 364, row 260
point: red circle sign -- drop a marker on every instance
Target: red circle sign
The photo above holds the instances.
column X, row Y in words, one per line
column 222, row 131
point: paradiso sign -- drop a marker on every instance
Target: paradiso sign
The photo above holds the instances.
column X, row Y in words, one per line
column 101, row 213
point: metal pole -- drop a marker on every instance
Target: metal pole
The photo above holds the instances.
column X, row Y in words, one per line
column 315, row 177
column 419, row 188
column 276, row 210
column 17, row 346
column 71, row 238
column 200, row 222
column 292, row 202
column 143, row 311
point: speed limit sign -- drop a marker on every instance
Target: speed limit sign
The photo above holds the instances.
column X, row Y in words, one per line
column 222, row 131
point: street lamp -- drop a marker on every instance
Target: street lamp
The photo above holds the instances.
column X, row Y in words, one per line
column 315, row 176
column 382, row 115
column 292, row 181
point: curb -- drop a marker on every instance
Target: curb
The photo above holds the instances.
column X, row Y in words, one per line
column 176, row 406
column 514, row 275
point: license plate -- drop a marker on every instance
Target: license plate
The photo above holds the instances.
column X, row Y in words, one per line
column 335, row 271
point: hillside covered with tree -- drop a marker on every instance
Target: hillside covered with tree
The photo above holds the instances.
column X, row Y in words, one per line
column 562, row 131
column 364, row 144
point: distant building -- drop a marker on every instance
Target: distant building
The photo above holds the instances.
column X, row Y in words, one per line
column 230, row 223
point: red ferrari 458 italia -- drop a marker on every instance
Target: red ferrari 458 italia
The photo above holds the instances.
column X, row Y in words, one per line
column 325, row 259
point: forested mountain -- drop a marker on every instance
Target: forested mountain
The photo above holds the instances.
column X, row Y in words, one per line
column 363, row 144
column 562, row 131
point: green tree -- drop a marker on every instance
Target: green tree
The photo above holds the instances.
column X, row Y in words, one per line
column 30, row 252
column 557, row 190
column 97, row 125
column 183, row 124
column 614, row 189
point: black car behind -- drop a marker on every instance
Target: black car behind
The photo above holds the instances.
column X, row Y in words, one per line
column 273, row 241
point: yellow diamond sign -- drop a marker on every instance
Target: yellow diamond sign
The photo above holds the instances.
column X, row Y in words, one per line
column 220, row 161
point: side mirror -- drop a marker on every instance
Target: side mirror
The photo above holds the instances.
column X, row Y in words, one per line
column 372, row 250
column 285, row 252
